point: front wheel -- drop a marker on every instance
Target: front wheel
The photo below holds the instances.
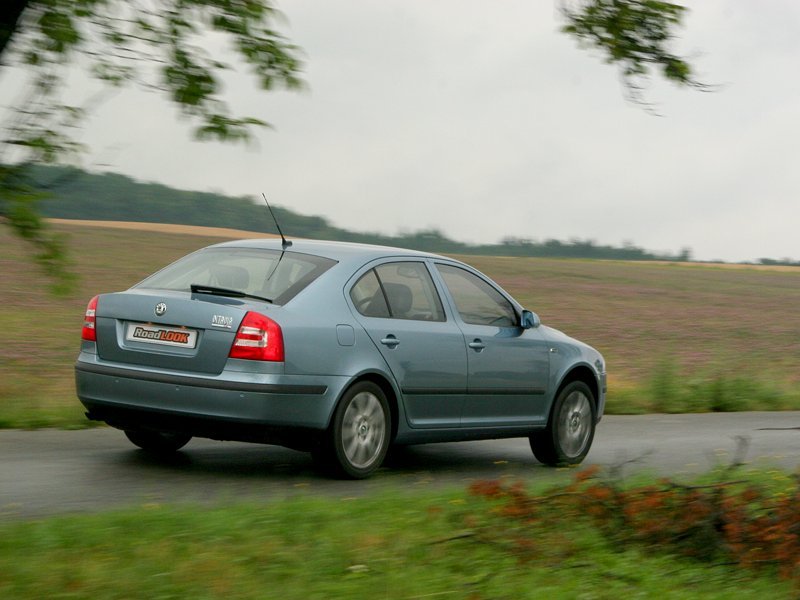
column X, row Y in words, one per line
column 357, row 441
column 569, row 434
column 158, row 442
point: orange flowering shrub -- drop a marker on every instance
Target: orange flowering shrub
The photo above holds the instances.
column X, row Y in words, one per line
column 749, row 526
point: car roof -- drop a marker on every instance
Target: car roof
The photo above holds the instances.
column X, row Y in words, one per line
column 338, row 251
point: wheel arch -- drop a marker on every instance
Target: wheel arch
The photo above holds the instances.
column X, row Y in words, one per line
column 388, row 390
column 582, row 373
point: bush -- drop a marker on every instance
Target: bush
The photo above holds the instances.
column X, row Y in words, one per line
column 739, row 522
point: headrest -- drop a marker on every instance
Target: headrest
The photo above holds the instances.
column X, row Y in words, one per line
column 400, row 298
column 229, row 276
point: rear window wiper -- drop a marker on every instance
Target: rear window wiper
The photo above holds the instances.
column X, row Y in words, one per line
column 199, row 288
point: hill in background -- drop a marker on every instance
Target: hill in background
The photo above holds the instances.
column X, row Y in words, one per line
column 75, row 194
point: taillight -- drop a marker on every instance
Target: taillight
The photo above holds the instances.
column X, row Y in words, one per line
column 89, row 333
column 258, row 338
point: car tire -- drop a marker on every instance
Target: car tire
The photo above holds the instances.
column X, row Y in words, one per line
column 570, row 431
column 358, row 438
column 158, row 442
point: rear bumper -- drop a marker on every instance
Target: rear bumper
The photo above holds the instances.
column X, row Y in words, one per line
column 232, row 405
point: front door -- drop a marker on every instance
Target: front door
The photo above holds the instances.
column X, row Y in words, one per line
column 508, row 366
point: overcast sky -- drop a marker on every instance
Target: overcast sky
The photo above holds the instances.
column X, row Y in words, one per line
column 483, row 120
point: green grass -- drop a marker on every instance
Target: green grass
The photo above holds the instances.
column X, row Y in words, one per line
column 676, row 337
column 394, row 545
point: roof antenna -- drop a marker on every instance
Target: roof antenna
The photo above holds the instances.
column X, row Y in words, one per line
column 284, row 242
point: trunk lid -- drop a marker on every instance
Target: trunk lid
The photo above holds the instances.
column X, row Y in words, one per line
column 167, row 329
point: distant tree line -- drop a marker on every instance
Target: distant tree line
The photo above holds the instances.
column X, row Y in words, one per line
column 75, row 194
column 784, row 262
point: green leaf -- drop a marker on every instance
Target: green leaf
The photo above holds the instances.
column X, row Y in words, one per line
column 634, row 34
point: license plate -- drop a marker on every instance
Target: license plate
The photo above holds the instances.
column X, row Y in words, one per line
column 157, row 334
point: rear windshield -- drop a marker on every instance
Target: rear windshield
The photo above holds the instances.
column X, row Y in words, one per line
column 272, row 274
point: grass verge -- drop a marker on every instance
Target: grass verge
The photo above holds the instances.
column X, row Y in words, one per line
column 393, row 545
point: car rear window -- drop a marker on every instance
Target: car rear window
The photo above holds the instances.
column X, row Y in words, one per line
column 272, row 274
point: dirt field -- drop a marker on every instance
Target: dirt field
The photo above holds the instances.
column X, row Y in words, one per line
column 223, row 232
column 167, row 228
column 676, row 336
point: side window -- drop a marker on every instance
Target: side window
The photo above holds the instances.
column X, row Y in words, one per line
column 477, row 302
column 410, row 291
column 400, row 290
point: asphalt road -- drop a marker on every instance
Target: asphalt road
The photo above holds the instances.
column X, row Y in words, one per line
column 50, row 472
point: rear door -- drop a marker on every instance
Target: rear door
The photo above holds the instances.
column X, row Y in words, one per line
column 400, row 309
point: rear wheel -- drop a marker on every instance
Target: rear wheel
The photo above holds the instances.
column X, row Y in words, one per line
column 569, row 434
column 158, row 442
column 357, row 441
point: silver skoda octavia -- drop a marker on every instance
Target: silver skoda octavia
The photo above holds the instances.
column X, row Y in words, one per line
column 338, row 349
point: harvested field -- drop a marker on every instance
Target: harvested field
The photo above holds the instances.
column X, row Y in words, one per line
column 676, row 336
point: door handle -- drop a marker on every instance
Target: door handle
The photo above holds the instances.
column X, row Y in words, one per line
column 477, row 345
column 390, row 341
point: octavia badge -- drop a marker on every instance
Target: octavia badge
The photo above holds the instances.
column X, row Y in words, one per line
column 161, row 308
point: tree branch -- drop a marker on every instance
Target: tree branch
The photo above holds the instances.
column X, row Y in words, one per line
column 10, row 14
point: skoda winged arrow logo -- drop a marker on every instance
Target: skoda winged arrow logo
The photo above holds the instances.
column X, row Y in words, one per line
column 161, row 308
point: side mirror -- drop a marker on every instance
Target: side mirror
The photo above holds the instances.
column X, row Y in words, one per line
column 530, row 320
